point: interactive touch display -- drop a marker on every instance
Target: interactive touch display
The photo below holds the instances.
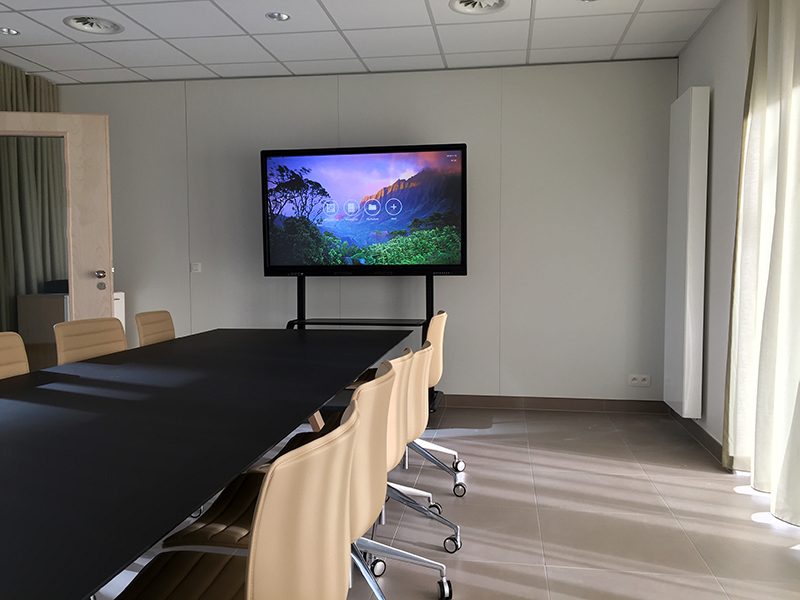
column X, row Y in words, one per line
column 365, row 211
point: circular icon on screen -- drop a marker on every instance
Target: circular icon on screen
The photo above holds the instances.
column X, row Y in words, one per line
column 372, row 207
column 394, row 207
column 351, row 207
column 330, row 208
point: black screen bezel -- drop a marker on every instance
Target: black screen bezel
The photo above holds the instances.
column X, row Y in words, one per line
column 380, row 270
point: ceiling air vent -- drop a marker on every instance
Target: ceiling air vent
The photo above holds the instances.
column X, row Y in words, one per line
column 94, row 25
column 478, row 7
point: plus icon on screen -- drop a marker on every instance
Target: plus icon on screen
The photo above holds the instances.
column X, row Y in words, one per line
column 394, row 206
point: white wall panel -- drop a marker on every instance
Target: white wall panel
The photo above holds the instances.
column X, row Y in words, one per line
column 410, row 108
column 147, row 134
column 567, row 188
column 229, row 123
column 583, row 209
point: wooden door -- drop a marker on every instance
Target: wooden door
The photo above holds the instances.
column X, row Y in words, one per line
column 91, row 285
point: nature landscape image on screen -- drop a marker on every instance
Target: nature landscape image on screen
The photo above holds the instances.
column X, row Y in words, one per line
column 365, row 209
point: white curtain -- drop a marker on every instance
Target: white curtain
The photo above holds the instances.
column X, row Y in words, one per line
column 762, row 421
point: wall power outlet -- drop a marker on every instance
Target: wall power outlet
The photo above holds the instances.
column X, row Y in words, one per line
column 639, row 380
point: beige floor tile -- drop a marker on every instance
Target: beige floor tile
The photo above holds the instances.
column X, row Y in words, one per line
column 682, row 460
column 650, row 430
column 506, row 484
column 470, row 580
column 718, row 498
column 597, row 492
column 586, row 457
column 751, row 590
column 618, row 542
column 590, row 584
column 489, row 533
column 743, row 549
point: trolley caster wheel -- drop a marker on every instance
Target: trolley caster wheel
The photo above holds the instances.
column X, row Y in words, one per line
column 460, row 490
column 459, row 465
column 435, row 507
column 452, row 544
column 378, row 567
column 445, row 590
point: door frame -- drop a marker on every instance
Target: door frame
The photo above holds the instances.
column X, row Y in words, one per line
column 88, row 185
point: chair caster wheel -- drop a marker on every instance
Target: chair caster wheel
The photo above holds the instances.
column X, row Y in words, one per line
column 452, row 544
column 445, row 590
column 460, row 490
column 435, row 507
column 378, row 567
column 459, row 466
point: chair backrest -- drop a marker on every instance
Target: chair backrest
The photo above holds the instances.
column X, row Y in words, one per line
column 436, row 338
column 397, row 422
column 368, row 480
column 13, row 358
column 87, row 338
column 300, row 546
column 154, row 326
column 418, row 407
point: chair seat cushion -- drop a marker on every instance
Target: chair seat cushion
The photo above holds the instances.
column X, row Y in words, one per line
column 228, row 520
column 189, row 576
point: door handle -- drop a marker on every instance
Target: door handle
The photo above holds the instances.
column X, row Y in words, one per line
column 100, row 274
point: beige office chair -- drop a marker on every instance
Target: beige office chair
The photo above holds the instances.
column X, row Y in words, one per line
column 154, row 326
column 88, row 338
column 423, row 447
column 226, row 523
column 13, row 358
column 414, row 411
column 300, row 541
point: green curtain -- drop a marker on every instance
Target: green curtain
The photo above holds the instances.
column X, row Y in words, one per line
column 32, row 197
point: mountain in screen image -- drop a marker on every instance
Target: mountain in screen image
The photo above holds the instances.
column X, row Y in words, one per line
column 410, row 222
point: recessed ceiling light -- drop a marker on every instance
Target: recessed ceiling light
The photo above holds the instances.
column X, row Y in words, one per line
column 94, row 25
column 278, row 16
column 477, row 7
column 8, row 31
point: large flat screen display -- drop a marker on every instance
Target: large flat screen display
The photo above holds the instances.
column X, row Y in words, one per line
column 397, row 210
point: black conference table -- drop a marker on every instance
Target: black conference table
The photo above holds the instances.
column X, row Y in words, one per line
column 102, row 458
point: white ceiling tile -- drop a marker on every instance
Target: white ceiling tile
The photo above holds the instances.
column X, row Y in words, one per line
column 405, row 63
column 19, row 62
column 104, row 75
column 228, row 49
column 144, row 53
column 306, row 15
column 486, row 59
column 271, row 69
column 307, row 46
column 484, row 37
column 665, row 50
column 176, row 72
column 515, row 10
column 31, row 33
column 55, row 20
column 326, row 67
column 548, row 9
column 65, row 56
column 57, row 78
column 182, row 19
column 665, row 26
column 571, row 55
column 398, row 41
column 34, row 4
column 602, row 30
column 371, row 14
column 659, row 5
